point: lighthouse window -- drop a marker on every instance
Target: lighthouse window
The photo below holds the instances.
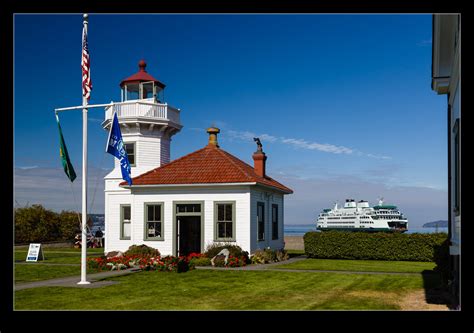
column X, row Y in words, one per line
column 154, row 221
column 130, row 149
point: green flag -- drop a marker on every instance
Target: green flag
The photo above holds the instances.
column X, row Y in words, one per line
column 68, row 169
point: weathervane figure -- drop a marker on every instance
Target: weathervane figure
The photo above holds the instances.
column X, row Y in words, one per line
column 259, row 144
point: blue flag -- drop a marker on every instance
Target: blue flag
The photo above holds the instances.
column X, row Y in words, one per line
column 115, row 147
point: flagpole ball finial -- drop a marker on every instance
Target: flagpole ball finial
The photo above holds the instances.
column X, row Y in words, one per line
column 85, row 16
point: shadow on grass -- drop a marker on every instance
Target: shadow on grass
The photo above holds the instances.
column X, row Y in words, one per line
column 436, row 291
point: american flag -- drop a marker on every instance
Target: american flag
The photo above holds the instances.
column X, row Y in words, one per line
column 85, row 64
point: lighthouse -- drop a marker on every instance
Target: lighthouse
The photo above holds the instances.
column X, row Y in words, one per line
column 147, row 124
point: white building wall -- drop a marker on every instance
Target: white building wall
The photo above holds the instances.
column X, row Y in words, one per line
column 239, row 194
column 268, row 197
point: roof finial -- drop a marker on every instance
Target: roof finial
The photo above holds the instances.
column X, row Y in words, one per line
column 142, row 65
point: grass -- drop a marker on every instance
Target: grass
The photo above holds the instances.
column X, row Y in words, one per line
column 224, row 290
column 36, row 271
column 229, row 290
column 360, row 265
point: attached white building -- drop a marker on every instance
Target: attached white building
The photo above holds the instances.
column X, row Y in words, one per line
column 446, row 80
column 182, row 206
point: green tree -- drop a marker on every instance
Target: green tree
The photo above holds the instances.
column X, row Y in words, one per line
column 38, row 224
column 69, row 224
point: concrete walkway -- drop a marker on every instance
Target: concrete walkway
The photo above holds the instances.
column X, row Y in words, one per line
column 93, row 278
column 272, row 267
column 263, row 267
column 72, row 281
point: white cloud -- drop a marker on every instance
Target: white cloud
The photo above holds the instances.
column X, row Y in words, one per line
column 28, row 167
column 325, row 147
column 51, row 188
column 246, row 135
column 300, row 143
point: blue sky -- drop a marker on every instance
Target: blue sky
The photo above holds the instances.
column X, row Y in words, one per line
column 342, row 103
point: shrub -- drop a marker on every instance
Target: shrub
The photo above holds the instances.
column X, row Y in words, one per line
column 203, row 261
column 372, row 246
column 142, row 250
column 267, row 256
column 234, row 250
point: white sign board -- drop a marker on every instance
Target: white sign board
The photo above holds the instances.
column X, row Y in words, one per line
column 35, row 252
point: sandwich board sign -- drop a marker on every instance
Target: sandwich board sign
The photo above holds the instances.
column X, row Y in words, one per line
column 35, row 252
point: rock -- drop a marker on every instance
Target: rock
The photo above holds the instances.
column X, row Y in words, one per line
column 113, row 254
column 225, row 253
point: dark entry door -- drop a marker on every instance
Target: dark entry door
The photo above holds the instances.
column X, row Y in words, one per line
column 189, row 236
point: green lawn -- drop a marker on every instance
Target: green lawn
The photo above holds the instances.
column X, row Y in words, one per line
column 222, row 290
column 35, row 271
column 59, row 255
column 360, row 265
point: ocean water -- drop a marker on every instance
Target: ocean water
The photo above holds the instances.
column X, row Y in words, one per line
column 301, row 229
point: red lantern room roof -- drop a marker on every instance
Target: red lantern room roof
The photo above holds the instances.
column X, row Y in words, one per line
column 141, row 76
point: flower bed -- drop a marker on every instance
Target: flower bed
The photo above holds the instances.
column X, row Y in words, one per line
column 147, row 263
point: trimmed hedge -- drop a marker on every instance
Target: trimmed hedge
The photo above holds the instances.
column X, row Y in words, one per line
column 375, row 246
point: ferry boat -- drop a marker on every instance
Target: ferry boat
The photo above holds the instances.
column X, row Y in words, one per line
column 359, row 216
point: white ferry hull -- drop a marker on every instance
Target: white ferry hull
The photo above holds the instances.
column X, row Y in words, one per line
column 361, row 217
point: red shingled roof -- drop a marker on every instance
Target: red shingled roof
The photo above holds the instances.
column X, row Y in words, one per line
column 141, row 76
column 207, row 165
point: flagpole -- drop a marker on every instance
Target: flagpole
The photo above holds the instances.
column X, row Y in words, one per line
column 84, row 185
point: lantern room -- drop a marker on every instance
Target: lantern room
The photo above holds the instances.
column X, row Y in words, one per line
column 142, row 85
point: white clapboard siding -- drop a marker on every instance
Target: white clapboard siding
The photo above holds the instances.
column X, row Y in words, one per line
column 258, row 194
column 150, row 152
column 239, row 194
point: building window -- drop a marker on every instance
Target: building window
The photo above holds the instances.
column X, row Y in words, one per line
column 188, row 208
column 274, row 221
column 224, row 213
column 260, row 221
column 130, row 149
column 154, row 221
column 457, row 185
column 125, row 222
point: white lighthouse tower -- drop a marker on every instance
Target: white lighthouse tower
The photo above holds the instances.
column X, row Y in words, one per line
column 147, row 124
